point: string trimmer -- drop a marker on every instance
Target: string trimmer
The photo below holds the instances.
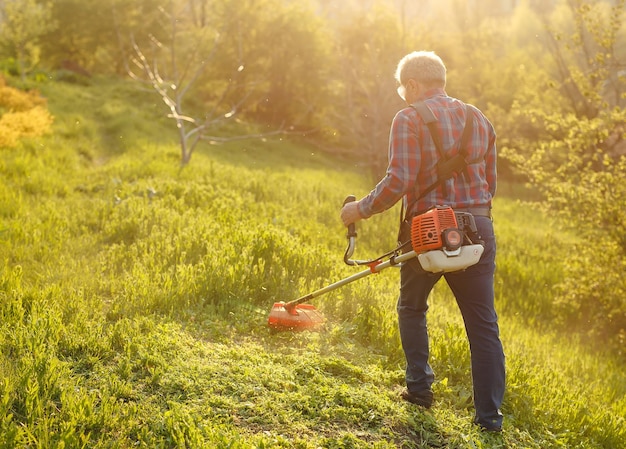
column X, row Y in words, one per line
column 441, row 239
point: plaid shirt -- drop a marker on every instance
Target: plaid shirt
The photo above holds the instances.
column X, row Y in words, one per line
column 413, row 160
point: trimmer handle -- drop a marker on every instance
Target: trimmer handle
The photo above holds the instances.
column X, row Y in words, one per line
column 351, row 226
column 351, row 235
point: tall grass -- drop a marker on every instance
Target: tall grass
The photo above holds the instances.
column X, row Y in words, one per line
column 134, row 295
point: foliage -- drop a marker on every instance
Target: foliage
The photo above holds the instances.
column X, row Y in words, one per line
column 584, row 39
column 16, row 100
column 365, row 86
column 24, row 22
column 94, row 36
column 285, row 50
column 586, row 189
column 22, row 114
column 577, row 161
column 332, row 78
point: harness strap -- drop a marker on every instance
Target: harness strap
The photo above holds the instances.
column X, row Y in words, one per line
column 430, row 120
column 446, row 167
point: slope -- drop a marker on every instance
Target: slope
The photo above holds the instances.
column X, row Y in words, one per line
column 135, row 295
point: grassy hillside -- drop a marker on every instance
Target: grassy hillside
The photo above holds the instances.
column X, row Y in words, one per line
column 134, row 298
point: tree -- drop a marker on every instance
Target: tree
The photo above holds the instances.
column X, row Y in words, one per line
column 295, row 69
column 95, row 34
column 23, row 23
column 588, row 60
column 172, row 69
column 286, row 50
column 364, row 85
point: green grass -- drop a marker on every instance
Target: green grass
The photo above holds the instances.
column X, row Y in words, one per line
column 134, row 298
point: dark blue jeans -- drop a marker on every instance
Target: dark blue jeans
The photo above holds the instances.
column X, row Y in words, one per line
column 474, row 293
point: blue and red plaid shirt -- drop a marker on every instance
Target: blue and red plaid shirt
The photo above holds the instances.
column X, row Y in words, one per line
column 413, row 160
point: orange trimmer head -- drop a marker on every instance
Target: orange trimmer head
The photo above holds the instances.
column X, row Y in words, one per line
column 293, row 317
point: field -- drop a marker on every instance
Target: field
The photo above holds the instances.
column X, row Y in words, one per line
column 134, row 297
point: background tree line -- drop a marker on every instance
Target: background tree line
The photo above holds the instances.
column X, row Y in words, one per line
column 550, row 75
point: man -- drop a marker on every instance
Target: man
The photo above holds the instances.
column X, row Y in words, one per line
column 413, row 159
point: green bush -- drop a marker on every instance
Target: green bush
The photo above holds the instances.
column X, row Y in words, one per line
column 581, row 180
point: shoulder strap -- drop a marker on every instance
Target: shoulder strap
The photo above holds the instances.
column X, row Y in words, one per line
column 430, row 120
column 468, row 129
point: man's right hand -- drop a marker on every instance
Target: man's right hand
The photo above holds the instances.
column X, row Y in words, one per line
column 350, row 213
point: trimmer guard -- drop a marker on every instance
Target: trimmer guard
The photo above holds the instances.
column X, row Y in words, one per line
column 297, row 317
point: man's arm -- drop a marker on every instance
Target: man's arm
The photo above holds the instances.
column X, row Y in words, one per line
column 401, row 171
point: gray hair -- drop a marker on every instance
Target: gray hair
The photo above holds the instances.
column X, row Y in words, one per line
column 424, row 67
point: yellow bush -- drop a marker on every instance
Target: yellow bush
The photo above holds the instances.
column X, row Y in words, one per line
column 26, row 115
column 15, row 100
column 14, row 125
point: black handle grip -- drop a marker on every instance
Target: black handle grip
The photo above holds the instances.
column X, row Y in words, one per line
column 351, row 226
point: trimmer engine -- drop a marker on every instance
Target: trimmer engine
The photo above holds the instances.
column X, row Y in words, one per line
column 436, row 229
column 445, row 240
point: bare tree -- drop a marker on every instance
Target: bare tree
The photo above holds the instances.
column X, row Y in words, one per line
column 172, row 80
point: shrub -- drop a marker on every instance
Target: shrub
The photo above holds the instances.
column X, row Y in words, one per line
column 22, row 114
column 581, row 178
column 12, row 99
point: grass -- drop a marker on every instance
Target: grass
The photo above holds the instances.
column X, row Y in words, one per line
column 134, row 298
